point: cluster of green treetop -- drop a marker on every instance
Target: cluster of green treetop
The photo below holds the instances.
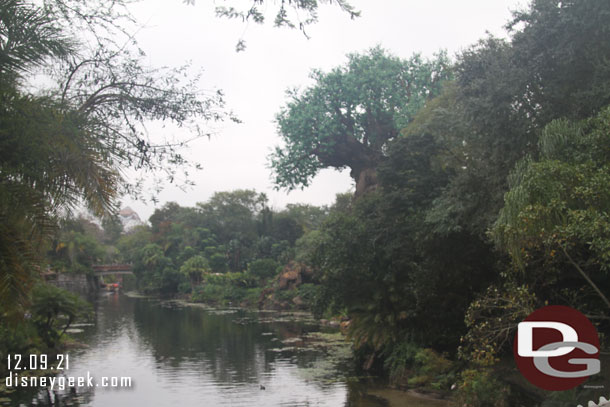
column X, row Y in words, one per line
column 482, row 188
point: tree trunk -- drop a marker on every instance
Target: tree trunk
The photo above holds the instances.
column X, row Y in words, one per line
column 366, row 181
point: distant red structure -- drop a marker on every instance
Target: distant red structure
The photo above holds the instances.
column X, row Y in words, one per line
column 106, row 269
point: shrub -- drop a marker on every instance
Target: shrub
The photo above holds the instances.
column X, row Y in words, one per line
column 209, row 293
column 54, row 310
column 309, row 293
column 478, row 388
column 252, row 295
column 400, row 360
column 419, row 367
column 285, row 295
column 218, row 263
column 263, row 269
column 432, row 370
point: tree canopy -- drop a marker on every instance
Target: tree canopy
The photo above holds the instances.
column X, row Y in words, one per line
column 350, row 113
column 557, row 207
column 68, row 140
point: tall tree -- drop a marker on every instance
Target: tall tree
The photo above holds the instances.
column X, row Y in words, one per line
column 348, row 116
column 382, row 264
column 506, row 91
column 47, row 161
column 68, row 143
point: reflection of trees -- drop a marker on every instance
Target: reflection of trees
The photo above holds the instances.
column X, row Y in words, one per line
column 47, row 398
column 229, row 351
column 113, row 315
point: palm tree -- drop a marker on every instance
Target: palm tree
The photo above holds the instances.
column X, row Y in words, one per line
column 49, row 161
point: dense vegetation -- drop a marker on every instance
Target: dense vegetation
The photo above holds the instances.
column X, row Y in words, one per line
column 489, row 204
column 224, row 251
column 482, row 193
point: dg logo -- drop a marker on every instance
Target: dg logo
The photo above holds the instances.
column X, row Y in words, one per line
column 556, row 348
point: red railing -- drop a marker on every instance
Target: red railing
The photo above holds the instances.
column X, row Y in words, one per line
column 111, row 267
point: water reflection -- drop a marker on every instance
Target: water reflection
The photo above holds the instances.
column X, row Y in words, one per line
column 189, row 356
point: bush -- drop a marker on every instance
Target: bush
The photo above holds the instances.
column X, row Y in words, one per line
column 263, row 269
column 285, row 295
column 478, row 388
column 209, row 293
column 432, row 370
column 19, row 337
column 253, row 295
column 218, row 263
column 223, row 289
column 309, row 293
column 54, row 310
column 419, row 367
column 400, row 360
column 184, row 287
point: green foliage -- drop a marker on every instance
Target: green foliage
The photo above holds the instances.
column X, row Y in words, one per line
column 218, row 263
column 292, row 14
column 310, row 217
column 75, row 250
column 305, row 247
column 399, row 362
column 555, row 216
column 285, row 228
column 233, row 231
column 349, row 115
column 231, row 217
column 432, row 369
column 263, row 269
column 252, row 295
column 228, row 289
column 156, row 273
column 67, row 144
column 479, row 388
column 492, row 322
column 48, row 164
column 195, row 268
column 381, row 263
column 310, row 294
column 285, row 296
column 130, row 244
column 211, row 293
column 54, row 310
column 419, row 367
column 506, row 92
column 113, row 229
column 561, row 47
column 29, row 37
column 19, row 338
column 242, row 279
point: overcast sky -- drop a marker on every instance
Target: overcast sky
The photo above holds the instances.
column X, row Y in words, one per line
column 255, row 81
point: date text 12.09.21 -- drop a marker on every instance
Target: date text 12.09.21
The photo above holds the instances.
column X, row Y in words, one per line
column 17, row 361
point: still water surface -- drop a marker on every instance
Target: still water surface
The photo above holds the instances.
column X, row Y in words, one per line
column 180, row 355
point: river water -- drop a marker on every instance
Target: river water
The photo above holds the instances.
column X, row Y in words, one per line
column 180, row 356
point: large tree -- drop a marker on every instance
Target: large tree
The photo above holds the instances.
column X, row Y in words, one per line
column 382, row 264
column 554, row 65
column 47, row 160
column 350, row 113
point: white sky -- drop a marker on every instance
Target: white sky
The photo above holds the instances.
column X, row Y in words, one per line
column 254, row 81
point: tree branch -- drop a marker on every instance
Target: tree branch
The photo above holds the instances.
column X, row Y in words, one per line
column 586, row 277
